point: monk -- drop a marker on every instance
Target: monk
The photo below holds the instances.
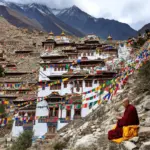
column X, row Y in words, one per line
column 129, row 118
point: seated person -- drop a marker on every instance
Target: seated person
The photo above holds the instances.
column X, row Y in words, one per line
column 129, row 118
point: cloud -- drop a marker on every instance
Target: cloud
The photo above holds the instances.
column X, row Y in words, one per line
column 135, row 12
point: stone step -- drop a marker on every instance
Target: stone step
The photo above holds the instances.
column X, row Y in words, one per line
column 144, row 132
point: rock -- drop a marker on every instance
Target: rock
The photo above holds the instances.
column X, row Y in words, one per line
column 93, row 127
column 86, row 141
column 144, row 132
column 129, row 145
column 9, row 139
column 98, row 130
column 134, row 139
column 147, row 102
column 84, row 126
column 147, row 122
column 62, row 134
column 145, row 146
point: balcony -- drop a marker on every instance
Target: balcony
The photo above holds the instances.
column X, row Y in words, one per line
column 48, row 120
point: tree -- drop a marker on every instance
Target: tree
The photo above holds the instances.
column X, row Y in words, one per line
column 24, row 141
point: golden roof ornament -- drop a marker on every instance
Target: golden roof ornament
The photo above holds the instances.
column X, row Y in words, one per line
column 63, row 33
column 109, row 37
column 51, row 33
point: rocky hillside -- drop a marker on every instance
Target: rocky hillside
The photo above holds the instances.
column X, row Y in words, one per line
column 16, row 39
column 90, row 133
column 142, row 30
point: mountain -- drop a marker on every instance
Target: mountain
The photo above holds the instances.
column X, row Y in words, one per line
column 102, row 27
column 142, row 30
column 18, row 19
column 72, row 20
column 41, row 14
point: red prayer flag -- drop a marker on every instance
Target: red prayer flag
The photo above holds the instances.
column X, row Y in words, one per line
column 85, row 105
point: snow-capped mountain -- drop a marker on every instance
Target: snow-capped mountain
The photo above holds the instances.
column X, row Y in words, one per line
column 102, row 27
column 56, row 11
column 43, row 15
column 72, row 20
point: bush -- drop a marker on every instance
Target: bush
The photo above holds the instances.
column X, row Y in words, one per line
column 9, row 124
column 60, row 145
column 2, row 109
column 24, row 141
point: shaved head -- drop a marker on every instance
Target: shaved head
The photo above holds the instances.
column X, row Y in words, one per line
column 125, row 102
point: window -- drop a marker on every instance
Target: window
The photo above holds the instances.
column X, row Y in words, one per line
column 78, row 84
column 88, row 83
column 65, row 84
column 44, row 68
column 95, row 82
column 59, row 68
column 68, row 113
column 53, row 112
column 55, row 69
column 55, row 87
column 77, row 112
column 43, row 87
column 92, row 53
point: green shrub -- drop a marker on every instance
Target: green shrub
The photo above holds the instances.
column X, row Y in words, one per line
column 24, row 141
column 60, row 145
column 9, row 124
column 2, row 109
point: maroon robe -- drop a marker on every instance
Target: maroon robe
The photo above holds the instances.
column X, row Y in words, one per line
column 130, row 118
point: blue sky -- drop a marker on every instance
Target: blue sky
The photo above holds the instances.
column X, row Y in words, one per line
column 134, row 12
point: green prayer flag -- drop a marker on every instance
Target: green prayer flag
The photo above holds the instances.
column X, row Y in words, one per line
column 91, row 98
column 78, row 106
column 101, row 92
column 95, row 102
column 93, row 90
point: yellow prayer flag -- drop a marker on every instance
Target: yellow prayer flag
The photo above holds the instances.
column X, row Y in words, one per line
column 65, row 79
column 111, row 90
column 99, row 102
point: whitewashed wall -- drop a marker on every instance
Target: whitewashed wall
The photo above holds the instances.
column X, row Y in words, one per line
column 41, row 129
column 16, row 130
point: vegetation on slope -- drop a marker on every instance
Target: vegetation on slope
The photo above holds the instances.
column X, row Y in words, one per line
column 24, row 141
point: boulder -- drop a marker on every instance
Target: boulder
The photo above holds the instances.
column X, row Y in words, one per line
column 129, row 145
column 145, row 146
column 93, row 127
column 144, row 132
column 62, row 134
column 9, row 139
column 147, row 102
column 134, row 139
column 98, row 130
column 147, row 122
column 86, row 141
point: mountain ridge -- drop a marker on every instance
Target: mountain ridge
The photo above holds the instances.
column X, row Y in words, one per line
column 73, row 20
column 89, row 24
column 43, row 15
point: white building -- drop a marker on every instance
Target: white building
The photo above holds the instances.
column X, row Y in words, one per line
column 67, row 71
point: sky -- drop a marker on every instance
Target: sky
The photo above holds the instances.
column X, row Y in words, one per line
column 134, row 12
